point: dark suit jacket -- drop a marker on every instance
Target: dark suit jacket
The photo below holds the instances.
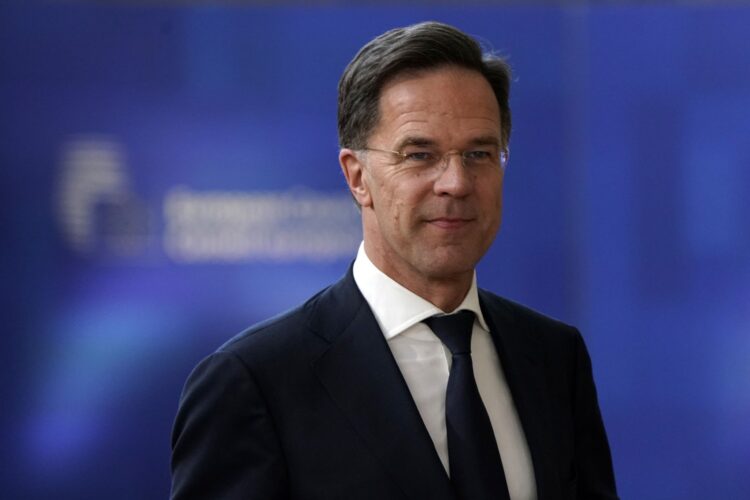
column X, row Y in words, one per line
column 311, row 405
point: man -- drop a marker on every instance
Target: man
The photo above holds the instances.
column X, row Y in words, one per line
column 364, row 392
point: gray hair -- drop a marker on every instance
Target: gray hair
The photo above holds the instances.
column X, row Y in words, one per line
column 418, row 47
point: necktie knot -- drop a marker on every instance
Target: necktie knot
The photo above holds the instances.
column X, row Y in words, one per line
column 453, row 330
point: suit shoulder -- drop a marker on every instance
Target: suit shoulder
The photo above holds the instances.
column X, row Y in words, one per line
column 280, row 333
column 526, row 317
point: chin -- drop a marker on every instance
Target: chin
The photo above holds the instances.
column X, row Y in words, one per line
column 447, row 268
column 457, row 257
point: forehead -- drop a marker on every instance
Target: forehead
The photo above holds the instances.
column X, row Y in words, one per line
column 444, row 104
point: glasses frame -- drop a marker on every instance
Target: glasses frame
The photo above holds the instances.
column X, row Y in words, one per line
column 503, row 156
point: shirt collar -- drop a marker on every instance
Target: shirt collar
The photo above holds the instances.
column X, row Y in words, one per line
column 397, row 308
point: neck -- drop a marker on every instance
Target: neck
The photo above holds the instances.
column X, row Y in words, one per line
column 444, row 291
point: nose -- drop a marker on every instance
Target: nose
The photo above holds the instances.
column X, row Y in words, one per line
column 453, row 178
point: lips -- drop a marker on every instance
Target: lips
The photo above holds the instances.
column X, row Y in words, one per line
column 450, row 222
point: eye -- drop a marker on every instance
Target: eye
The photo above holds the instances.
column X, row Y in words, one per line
column 478, row 155
column 419, row 156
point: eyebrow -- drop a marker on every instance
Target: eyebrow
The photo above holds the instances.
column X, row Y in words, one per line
column 485, row 140
column 414, row 141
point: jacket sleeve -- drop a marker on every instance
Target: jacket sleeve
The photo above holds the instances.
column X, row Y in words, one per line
column 595, row 475
column 224, row 444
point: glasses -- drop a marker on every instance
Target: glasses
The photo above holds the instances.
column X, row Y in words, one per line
column 423, row 158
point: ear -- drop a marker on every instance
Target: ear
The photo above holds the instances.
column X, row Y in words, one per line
column 353, row 169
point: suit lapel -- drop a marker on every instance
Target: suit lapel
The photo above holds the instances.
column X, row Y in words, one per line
column 363, row 379
column 523, row 364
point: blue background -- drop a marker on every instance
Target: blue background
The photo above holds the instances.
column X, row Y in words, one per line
column 624, row 216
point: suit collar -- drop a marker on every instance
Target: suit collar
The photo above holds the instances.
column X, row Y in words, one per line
column 363, row 379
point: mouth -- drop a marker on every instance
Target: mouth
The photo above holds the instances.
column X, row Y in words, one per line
column 450, row 223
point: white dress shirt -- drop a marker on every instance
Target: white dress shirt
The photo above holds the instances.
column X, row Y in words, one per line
column 425, row 365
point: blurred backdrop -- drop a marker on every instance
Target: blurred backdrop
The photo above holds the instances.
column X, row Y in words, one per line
column 168, row 176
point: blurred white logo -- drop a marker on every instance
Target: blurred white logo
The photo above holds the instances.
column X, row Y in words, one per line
column 240, row 226
column 100, row 215
column 97, row 211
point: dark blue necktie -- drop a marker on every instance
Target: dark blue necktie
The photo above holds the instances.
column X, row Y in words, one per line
column 476, row 469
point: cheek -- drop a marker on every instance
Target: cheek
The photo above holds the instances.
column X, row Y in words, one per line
column 402, row 201
column 387, row 205
column 399, row 214
column 497, row 191
column 493, row 202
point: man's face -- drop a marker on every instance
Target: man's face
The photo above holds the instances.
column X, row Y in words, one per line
column 422, row 228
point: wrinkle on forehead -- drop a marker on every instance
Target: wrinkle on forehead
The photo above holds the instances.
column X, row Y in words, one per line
column 410, row 106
